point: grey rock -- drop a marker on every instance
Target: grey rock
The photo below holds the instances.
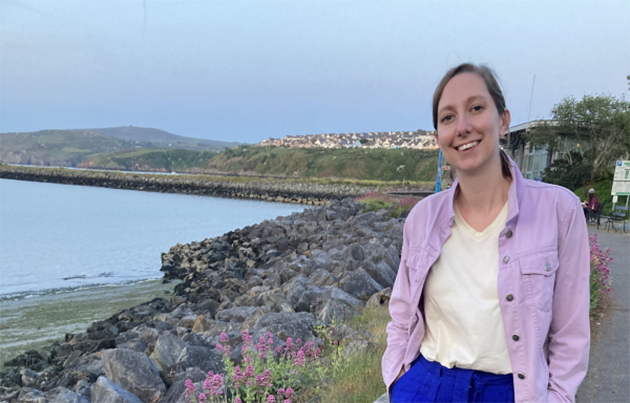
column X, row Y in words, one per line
column 178, row 387
column 283, row 325
column 64, row 350
column 135, row 372
column 68, row 396
column 167, row 351
column 136, row 345
column 381, row 272
column 360, row 285
column 72, row 359
column 239, row 314
column 382, row 399
column 106, row 391
column 29, row 377
column 147, row 335
column 29, row 395
column 321, row 277
column 83, row 388
column 380, row 298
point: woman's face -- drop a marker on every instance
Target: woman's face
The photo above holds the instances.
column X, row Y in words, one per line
column 469, row 125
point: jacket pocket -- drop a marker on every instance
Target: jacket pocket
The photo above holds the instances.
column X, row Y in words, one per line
column 539, row 274
column 418, row 264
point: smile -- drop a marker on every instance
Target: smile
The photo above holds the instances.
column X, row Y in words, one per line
column 467, row 146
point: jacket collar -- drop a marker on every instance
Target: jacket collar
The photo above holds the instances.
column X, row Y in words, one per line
column 515, row 195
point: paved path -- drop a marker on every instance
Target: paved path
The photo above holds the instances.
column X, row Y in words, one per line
column 608, row 378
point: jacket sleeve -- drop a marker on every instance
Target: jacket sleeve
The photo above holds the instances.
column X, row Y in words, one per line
column 569, row 334
column 397, row 329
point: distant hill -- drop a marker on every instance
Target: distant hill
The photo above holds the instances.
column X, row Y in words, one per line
column 57, row 147
column 166, row 139
column 93, row 149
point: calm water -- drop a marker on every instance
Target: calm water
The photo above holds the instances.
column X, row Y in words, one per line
column 60, row 237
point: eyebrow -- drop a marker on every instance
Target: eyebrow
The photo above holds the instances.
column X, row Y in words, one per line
column 469, row 100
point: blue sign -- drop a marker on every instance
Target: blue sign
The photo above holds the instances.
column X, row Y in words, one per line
column 619, row 163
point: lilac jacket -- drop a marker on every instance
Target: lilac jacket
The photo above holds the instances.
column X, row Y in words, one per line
column 543, row 287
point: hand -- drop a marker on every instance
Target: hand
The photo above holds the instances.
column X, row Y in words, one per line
column 402, row 372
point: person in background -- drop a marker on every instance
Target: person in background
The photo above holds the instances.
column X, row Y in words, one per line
column 592, row 204
column 491, row 299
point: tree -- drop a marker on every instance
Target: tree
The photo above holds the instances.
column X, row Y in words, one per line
column 600, row 124
column 544, row 135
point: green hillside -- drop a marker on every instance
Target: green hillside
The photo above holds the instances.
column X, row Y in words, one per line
column 144, row 159
column 56, row 147
column 371, row 164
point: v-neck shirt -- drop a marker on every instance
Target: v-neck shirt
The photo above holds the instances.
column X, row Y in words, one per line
column 461, row 302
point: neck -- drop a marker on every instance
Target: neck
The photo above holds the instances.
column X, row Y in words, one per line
column 483, row 192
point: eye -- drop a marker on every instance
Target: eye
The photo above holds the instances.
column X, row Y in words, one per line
column 477, row 108
column 446, row 118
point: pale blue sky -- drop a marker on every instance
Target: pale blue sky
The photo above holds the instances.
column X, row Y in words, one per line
column 247, row 70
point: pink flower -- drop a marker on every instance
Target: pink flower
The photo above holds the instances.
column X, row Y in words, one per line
column 238, row 400
column 271, row 399
column 287, row 401
column 224, row 337
column 248, row 359
column 249, row 371
column 190, row 388
column 281, row 391
column 299, row 360
column 202, row 397
column 289, row 393
column 247, row 338
column 219, row 346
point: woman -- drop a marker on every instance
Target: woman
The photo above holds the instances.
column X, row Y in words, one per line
column 491, row 298
column 592, row 204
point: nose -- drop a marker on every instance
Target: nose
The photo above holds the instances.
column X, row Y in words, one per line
column 463, row 125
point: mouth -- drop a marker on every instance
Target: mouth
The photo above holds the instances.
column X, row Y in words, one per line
column 468, row 146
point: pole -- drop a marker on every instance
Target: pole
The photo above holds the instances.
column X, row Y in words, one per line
column 438, row 181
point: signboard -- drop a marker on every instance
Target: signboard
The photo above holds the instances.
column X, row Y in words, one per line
column 621, row 180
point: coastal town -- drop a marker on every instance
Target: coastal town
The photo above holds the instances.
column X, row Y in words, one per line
column 419, row 140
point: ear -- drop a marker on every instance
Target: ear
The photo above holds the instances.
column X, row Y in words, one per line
column 505, row 123
column 437, row 139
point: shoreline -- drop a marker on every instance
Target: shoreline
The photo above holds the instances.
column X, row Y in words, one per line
column 280, row 278
column 279, row 191
column 32, row 323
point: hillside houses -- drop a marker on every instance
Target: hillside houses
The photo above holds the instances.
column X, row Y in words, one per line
column 419, row 140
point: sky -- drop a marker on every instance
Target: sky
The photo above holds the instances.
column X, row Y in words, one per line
column 247, row 70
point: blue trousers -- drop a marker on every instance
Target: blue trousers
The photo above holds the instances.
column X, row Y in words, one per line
column 430, row 382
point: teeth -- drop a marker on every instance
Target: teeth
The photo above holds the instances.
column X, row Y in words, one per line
column 467, row 146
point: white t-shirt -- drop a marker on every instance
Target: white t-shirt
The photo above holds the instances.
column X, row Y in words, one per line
column 461, row 301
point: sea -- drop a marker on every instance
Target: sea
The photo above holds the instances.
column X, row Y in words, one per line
column 62, row 238
column 72, row 255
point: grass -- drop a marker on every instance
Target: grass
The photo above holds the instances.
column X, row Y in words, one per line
column 360, row 379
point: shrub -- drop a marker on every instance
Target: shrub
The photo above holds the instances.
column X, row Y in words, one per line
column 272, row 374
column 376, row 201
column 599, row 279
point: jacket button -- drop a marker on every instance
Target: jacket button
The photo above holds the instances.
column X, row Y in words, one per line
column 509, row 297
column 548, row 267
column 508, row 233
column 515, row 337
column 506, row 259
column 521, row 376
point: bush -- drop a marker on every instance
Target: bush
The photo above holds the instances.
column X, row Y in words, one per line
column 571, row 173
column 378, row 201
column 599, row 279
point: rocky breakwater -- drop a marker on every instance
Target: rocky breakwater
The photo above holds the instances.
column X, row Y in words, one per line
column 280, row 191
column 287, row 276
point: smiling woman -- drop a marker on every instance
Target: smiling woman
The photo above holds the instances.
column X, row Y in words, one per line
column 491, row 299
